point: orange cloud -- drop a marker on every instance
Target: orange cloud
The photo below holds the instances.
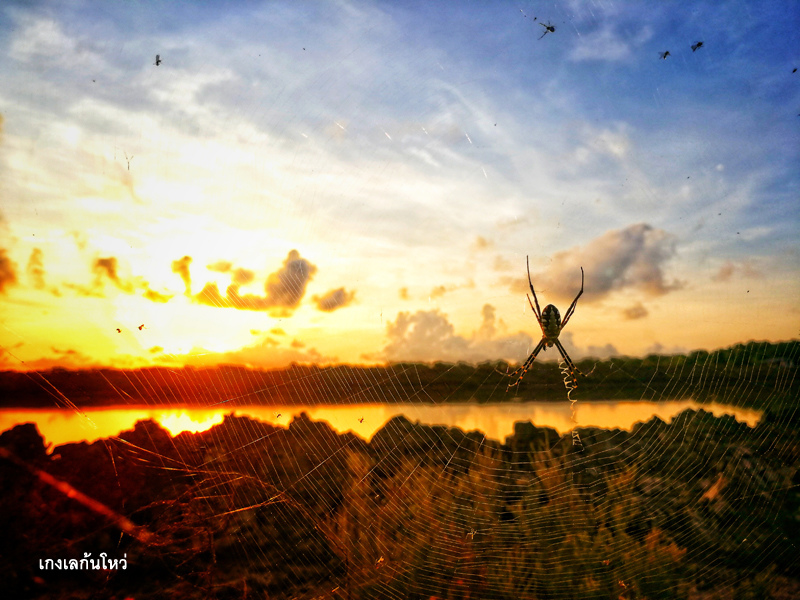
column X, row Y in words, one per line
column 8, row 271
column 35, row 269
column 284, row 288
column 108, row 267
column 334, row 300
column 181, row 267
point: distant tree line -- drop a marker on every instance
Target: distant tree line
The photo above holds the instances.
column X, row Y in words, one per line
column 755, row 374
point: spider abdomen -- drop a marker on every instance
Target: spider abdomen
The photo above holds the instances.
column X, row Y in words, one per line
column 551, row 322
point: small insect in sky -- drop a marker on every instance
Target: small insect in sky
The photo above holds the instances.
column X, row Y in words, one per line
column 547, row 29
column 119, row 330
column 664, row 55
column 141, row 326
column 158, row 60
column 361, row 420
column 696, row 46
column 552, row 325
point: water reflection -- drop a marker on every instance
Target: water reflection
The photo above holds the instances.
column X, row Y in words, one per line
column 496, row 420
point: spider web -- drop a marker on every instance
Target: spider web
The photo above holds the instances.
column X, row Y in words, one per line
column 419, row 473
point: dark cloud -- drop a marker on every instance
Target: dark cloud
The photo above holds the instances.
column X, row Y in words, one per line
column 8, row 271
column 334, row 299
column 637, row 311
column 35, row 268
column 181, row 267
column 108, row 267
column 630, row 258
column 284, row 288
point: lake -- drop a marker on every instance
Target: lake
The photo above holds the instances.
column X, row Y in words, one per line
column 59, row 426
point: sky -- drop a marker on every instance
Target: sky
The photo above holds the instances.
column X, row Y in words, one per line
column 362, row 182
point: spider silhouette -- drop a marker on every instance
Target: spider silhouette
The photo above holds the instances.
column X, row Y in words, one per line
column 697, row 46
column 547, row 29
column 552, row 325
column 158, row 60
column 664, row 55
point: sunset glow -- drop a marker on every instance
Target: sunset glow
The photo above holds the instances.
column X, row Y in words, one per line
column 362, row 183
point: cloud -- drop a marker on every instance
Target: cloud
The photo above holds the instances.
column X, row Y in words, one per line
column 428, row 336
column 334, row 299
column 222, row 266
column 725, row 272
column 8, row 271
column 108, row 267
column 579, row 353
column 630, row 258
column 154, row 296
column 481, row 243
column 243, row 276
column 745, row 268
column 262, row 355
column 637, row 311
column 441, row 290
column 659, row 348
column 35, row 268
column 284, row 288
column 181, row 267
column 501, row 264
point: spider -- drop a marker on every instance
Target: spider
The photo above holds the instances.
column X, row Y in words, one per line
column 551, row 323
column 547, row 29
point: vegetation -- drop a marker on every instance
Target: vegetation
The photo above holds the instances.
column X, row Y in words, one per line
column 755, row 374
column 703, row 507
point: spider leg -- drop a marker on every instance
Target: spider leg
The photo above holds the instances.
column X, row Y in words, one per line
column 526, row 365
column 567, row 359
column 534, row 313
column 571, row 308
column 538, row 311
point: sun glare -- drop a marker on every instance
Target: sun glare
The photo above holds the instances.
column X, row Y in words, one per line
column 178, row 422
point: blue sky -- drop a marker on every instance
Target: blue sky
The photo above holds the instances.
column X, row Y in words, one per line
column 411, row 154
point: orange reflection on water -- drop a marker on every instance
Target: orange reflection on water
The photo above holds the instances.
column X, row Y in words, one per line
column 495, row 420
